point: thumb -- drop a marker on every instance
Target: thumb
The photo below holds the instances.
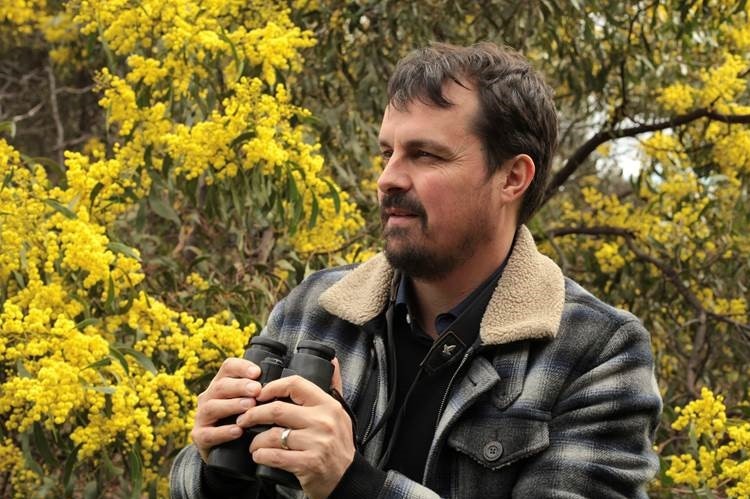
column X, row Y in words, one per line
column 336, row 381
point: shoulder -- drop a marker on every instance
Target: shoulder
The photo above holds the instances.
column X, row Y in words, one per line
column 596, row 330
column 582, row 304
column 318, row 282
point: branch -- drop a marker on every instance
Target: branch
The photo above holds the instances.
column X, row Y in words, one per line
column 583, row 152
column 28, row 114
column 75, row 90
column 665, row 269
column 60, row 145
column 589, row 231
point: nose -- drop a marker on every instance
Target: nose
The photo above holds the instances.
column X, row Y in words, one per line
column 394, row 177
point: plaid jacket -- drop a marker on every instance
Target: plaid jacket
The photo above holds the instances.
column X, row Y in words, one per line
column 558, row 398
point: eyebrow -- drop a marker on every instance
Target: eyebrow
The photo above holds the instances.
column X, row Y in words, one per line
column 436, row 147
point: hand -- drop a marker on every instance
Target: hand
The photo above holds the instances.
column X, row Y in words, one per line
column 321, row 442
column 232, row 391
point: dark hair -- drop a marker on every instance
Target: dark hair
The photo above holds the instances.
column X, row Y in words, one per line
column 517, row 113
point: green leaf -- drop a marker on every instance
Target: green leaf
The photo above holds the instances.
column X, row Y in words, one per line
column 239, row 63
column 123, row 249
column 91, row 321
column 241, row 138
column 41, row 445
column 135, row 465
column 166, row 165
column 28, row 457
column 95, row 192
column 164, row 210
column 140, row 357
column 99, row 363
column 19, row 279
column 70, row 464
column 102, row 389
column 313, row 213
column 140, row 216
column 21, row 369
column 109, row 466
column 8, row 127
column 8, row 178
column 61, row 208
column 114, row 352
column 110, row 303
column 91, row 490
column 334, row 193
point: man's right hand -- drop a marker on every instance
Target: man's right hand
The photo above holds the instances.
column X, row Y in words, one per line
column 231, row 392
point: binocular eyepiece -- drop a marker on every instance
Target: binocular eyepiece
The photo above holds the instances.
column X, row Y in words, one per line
column 312, row 361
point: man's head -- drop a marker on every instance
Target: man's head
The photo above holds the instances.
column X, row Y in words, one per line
column 463, row 134
column 516, row 111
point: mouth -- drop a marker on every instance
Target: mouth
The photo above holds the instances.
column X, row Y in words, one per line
column 396, row 212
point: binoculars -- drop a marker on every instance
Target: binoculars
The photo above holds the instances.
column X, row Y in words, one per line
column 312, row 361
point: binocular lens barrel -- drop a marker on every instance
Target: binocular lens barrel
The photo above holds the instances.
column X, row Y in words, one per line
column 232, row 458
column 312, row 361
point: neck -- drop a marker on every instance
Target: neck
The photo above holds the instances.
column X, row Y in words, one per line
column 436, row 296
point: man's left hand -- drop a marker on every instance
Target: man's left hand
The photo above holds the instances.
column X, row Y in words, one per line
column 321, row 444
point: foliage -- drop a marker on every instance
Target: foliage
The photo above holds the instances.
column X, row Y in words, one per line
column 717, row 460
column 200, row 191
column 203, row 158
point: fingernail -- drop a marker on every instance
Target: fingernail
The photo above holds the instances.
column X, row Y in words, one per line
column 253, row 371
column 245, row 403
column 251, row 389
column 236, row 431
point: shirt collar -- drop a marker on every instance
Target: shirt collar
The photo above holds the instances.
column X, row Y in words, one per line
column 469, row 310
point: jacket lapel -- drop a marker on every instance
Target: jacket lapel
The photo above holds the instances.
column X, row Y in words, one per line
column 527, row 302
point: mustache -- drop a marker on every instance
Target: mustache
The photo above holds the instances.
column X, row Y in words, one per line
column 401, row 201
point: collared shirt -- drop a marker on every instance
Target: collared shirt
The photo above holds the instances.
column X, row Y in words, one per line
column 412, row 344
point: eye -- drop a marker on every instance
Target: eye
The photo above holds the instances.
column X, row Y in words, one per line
column 421, row 154
column 386, row 154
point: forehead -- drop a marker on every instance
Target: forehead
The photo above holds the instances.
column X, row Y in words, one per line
column 419, row 118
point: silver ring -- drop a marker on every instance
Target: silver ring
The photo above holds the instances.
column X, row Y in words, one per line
column 285, row 438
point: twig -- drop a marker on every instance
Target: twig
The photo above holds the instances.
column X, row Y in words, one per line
column 60, row 144
column 580, row 155
column 28, row 114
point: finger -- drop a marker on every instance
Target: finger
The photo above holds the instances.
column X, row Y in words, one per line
column 279, row 413
column 207, row 437
column 228, row 388
column 336, row 381
column 211, row 411
column 304, row 464
column 234, row 367
column 289, row 460
column 272, row 439
column 296, row 388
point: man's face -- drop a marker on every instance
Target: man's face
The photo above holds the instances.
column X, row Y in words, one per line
column 436, row 201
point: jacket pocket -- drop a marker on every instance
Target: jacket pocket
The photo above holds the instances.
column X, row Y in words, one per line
column 498, row 442
column 488, row 452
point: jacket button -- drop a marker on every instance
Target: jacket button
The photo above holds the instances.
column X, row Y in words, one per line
column 493, row 450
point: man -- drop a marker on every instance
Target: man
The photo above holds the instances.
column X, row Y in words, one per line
column 474, row 367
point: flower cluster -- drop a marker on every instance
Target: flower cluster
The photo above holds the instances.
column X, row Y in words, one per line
column 94, row 362
column 169, row 109
column 79, row 341
column 719, row 458
column 672, row 251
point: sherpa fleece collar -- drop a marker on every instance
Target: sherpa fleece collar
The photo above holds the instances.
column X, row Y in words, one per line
column 527, row 302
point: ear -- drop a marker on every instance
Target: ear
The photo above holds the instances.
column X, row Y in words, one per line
column 515, row 176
